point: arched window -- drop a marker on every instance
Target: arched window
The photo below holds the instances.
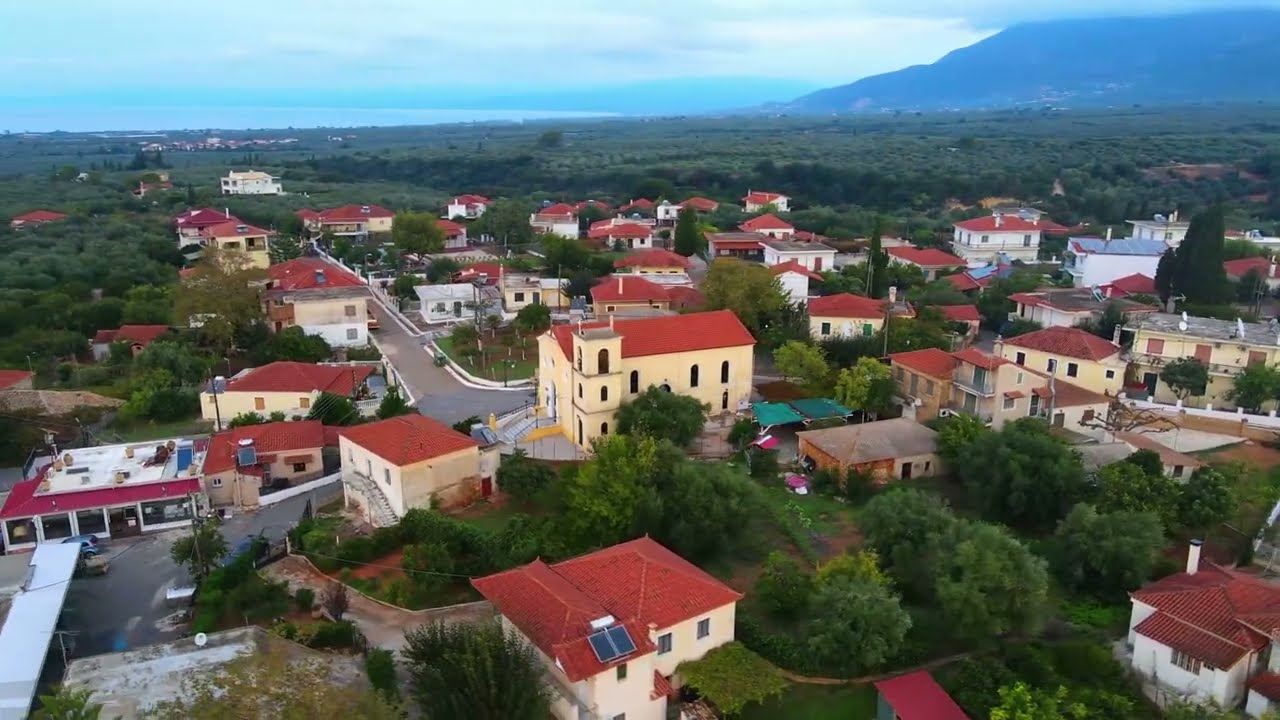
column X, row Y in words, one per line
column 724, row 400
column 693, row 376
column 635, row 381
column 602, row 361
column 724, row 371
column 604, row 394
column 604, row 428
column 579, row 390
column 579, row 359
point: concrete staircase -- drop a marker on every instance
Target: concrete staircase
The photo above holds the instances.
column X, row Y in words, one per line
column 516, row 429
column 381, row 514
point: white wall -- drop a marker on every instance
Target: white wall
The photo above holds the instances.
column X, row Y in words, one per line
column 807, row 259
column 1155, row 661
column 336, row 333
column 1256, row 705
column 795, row 286
column 1099, row 269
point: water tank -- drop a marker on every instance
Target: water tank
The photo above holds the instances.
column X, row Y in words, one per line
column 186, row 454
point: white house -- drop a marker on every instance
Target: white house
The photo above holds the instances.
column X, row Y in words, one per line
column 250, row 182
column 468, row 207
column 981, row 240
column 1165, row 229
column 809, row 255
column 558, row 219
column 794, row 279
column 1093, row 261
column 931, row 261
column 667, row 212
column 446, row 303
column 633, row 235
column 769, row 224
column 756, row 201
column 1203, row 635
column 1263, row 267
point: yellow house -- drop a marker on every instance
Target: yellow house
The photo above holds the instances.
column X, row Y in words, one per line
column 405, row 462
column 520, row 290
column 654, row 262
column 629, row 294
column 349, row 220
column 1226, row 347
column 240, row 237
column 286, row 387
column 319, row 297
column 612, row 626
column 845, row 315
column 1071, row 354
column 586, row 371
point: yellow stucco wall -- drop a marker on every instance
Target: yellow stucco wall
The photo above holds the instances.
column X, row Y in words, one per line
column 623, row 307
column 259, row 244
column 1226, row 358
column 232, row 404
column 413, row 485
column 843, row 327
column 648, row 270
column 933, row 393
column 1099, row 376
column 554, row 298
column 242, row 490
column 330, row 311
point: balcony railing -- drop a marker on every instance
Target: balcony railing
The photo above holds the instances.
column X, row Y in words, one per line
column 965, row 382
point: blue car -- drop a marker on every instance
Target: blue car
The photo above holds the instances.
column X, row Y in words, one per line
column 89, row 544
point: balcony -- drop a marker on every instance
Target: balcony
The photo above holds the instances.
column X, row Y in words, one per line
column 982, row 387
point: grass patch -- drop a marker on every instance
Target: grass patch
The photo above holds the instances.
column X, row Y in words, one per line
column 492, row 364
column 818, row 702
column 138, row 431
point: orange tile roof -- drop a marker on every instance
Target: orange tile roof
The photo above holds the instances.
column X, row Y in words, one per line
column 917, row 696
column 39, row 216
column 846, row 305
column 700, row 204
column 9, row 378
column 960, row 313
column 1237, row 269
column 642, row 337
column 467, row 199
column 653, row 258
column 408, row 439
column 287, row 376
column 273, row 437
column 638, row 204
column 450, row 228
column 795, row 267
column 133, row 334
column 627, row 288
column 685, row 298
column 304, row 274
column 1067, row 394
column 974, row 356
column 1267, row 685
column 353, row 213
column 762, row 198
column 203, row 217
column 930, row 361
column 1135, row 284
column 1068, row 341
column 610, row 229
column 559, row 210
column 925, row 257
column 768, row 221
column 1008, row 223
column 233, row 228
column 638, row 583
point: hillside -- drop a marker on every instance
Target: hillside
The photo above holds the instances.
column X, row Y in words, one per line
column 1195, row 58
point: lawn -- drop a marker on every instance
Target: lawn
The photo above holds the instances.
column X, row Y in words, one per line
column 139, row 431
column 818, row 702
column 491, row 364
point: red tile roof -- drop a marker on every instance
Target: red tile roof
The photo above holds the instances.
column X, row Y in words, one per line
column 661, row 687
column 491, row 271
column 1068, row 341
column 133, row 334
column 700, row 204
column 1135, row 284
column 916, row 696
column 973, row 356
column 638, row 583
column 39, row 216
column 627, row 288
column 233, row 228
column 1216, row 615
column 685, row 298
column 408, row 439
column 450, row 228
column 762, row 198
column 662, row 335
column 963, row 282
column 353, row 213
column 807, row 236
column 301, row 377
column 737, row 244
column 653, row 258
column 304, row 273
column 607, row 229
column 1067, row 394
column 1008, row 223
column 930, row 361
column 202, row 217
column 23, row 501
column 768, row 221
column 9, row 378
column 925, row 257
column 640, row 204
column 469, row 200
column 960, row 313
column 795, row 267
column 1237, row 269
column 1267, row 685
column 846, row 305
column 273, row 437
column 559, row 209
column 592, row 203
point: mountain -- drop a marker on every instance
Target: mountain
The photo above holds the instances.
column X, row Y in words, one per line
column 1198, row 57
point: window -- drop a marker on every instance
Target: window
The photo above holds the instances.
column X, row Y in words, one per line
column 1257, row 357
column 164, row 511
column 622, row 672
column 986, row 238
column 215, row 482
column 1009, row 402
column 664, row 644
column 604, row 428
column 386, row 475
column 928, row 387
column 1203, row 353
column 349, row 310
column 1086, row 416
column 579, row 359
column 1019, row 379
column 90, row 521
column 693, row 376
column 867, row 330
column 259, row 403
column 620, row 716
column 609, row 308
column 724, row 371
column 604, row 394
column 1073, row 369
column 1052, row 365
column 902, row 375
column 1111, row 374
column 635, row 381
column 1177, row 471
column 299, row 467
column 704, row 628
column 304, row 402
column 826, row 329
column 915, row 384
column 519, row 297
column 579, row 390
column 1155, row 346
column 1026, row 241
column 1186, row 662
column 602, row 362
column 353, row 334
column 1168, row 237
column 1020, row 358
column 724, row 400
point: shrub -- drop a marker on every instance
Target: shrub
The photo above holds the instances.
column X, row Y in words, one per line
column 339, row 634
column 206, row 620
column 305, row 598
column 380, row 665
column 784, row 586
column 286, row 630
column 356, row 551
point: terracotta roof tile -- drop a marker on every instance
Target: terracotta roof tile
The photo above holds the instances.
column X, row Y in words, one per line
column 558, row 210
column 930, row 361
column 39, row 216
column 610, row 229
column 762, row 198
column 846, row 305
column 795, row 267
column 233, row 228
column 925, row 257
column 1067, row 341
column 642, row 337
column 628, row 288
column 974, row 356
column 9, row 378
column 450, row 228
column 653, row 258
column 408, row 439
column 1267, row 685
column 134, row 334
column 637, row 204
column 768, row 221
column 1135, row 284
column 203, row 217
column 353, row 213
column 287, row 376
column 1008, row 223
column 469, row 200
column 274, row 437
column 701, row 204
column 1237, row 269
column 960, row 313
column 305, row 273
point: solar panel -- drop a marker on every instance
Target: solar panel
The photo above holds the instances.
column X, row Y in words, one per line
column 246, row 456
column 621, row 640
column 603, row 648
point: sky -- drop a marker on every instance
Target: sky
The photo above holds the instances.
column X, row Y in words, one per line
column 340, row 50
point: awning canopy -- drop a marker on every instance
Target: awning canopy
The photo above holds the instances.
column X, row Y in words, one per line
column 820, row 408
column 769, row 414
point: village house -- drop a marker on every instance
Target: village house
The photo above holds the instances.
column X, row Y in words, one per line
column 639, row 206
column 897, row 449
column 1092, row 261
column 485, row 273
column 603, row 207
column 558, row 219
column 453, row 302
column 668, row 213
column 923, row 380
column 931, row 261
column 794, row 279
column 974, row 281
column 629, row 295
column 992, row 389
column 1136, row 284
column 1226, row 347
column 351, row 221
column 455, row 234
column 520, row 289
column 192, row 223
column 285, row 387
column 1070, row 353
column 467, row 207
column 236, row 236
column 392, row 466
column 586, row 371
column 756, row 201
column 1164, row 229
column 612, row 627
column 769, row 224
column 1069, row 307
column 617, row 232
column 137, row 337
column 245, row 462
column 966, row 315
column 845, row 315
column 747, row 246
column 36, row 217
column 250, row 182
column 655, row 262
column 319, row 297
column 1264, row 268
column 108, row 491
column 1176, row 464
column 985, row 239
column 812, row 255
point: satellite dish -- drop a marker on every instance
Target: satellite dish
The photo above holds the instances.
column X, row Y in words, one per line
column 1184, row 316
column 1182, row 325
column 201, row 639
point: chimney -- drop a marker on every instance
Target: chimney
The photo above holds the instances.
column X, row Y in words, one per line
column 998, row 218
column 1174, row 217
column 619, row 284
column 1107, row 293
column 1193, row 556
column 893, row 295
column 611, row 323
column 997, row 349
column 653, row 634
column 1108, row 234
column 1115, row 334
column 227, row 212
column 1271, row 268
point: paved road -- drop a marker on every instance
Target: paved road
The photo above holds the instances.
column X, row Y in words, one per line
column 437, row 394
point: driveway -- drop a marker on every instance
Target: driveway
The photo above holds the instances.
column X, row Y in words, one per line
column 435, row 391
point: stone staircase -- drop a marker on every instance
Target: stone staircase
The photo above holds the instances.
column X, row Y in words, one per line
column 380, row 511
column 516, row 430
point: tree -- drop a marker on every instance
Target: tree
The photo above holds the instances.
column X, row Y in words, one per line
column 990, row 585
column 507, row 221
column 856, row 625
column 1186, row 377
column 332, row 409
column 295, row 345
column 1148, row 460
column 706, row 509
column 534, row 319
column 417, row 233
column 220, row 295
column 465, row 335
column 274, row 683
column 1105, row 554
column 862, row 565
column 803, row 363
column 181, row 361
column 732, row 677
column 955, row 436
column 867, row 386
column 613, row 495
column 394, row 404
column 1130, row 487
column 1104, row 326
column 1198, row 272
column 1255, row 386
column 784, row 587
column 148, row 305
column 200, row 551
column 68, row 704
column 551, row 139
column 493, row 322
column 406, row 286
column 1165, row 271
column 334, row 600
column 749, row 290
column 1023, row 475
column 1206, row 499
column 909, row 531
column 1023, row 702
column 664, row 415
column 523, row 478
column 475, row 670
column 689, row 239
column 879, row 261
column 245, row 419
column 284, row 248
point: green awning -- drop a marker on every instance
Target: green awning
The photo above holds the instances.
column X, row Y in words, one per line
column 769, row 414
column 820, row 408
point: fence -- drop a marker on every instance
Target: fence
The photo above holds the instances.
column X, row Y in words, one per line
column 331, row 485
column 1227, row 422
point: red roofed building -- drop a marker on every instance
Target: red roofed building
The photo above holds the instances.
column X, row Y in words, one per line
column 756, row 201
column 1070, row 353
column 768, row 224
column 967, row 314
column 15, row 379
column 348, row 220
column 588, row 370
column 1206, row 633
column 320, row 297
column 191, row 222
column 1262, row 267
column 1135, row 284
column 667, row 213
column 999, row 237
column 455, row 234
column 487, row 273
column 243, row 462
column 558, row 219
column 741, row 245
column 628, row 293
column 601, row 206
column 931, row 261
column 701, row 204
column 138, row 337
column 916, row 696
column 1069, row 307
column 36, row 217
column 845, row 315
column 410, row 461
column 236, row 236
column 285, row 387
column 632, row 235
column 641, row 205
column 654, row 262
column 806, row 236
column 467, row 207
column 794, row 279
column 612, row 626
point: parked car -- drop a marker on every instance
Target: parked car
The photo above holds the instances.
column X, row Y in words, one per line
column 89, row 544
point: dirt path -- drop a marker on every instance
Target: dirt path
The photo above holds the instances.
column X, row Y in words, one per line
column 384, row 625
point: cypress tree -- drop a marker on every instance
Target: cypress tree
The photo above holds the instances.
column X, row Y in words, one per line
column 879, row 260
column 1198, row 272
column 688, row 238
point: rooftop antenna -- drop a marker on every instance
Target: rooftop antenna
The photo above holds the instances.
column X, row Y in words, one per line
column 1182, row 324
column 1239, row 328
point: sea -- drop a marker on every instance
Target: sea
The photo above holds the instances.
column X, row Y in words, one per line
column 157, row 118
